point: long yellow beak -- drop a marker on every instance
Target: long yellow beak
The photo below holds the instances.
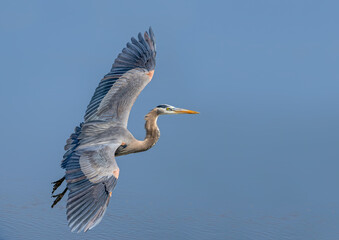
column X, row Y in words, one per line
column 185, row 111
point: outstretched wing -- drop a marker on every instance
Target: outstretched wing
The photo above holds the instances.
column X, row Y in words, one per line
column 91, row 175
column 132, row 70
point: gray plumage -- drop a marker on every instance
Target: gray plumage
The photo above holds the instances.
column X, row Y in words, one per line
column 137, row 55
column 91, row 169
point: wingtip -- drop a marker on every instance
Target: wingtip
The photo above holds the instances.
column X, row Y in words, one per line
column 140, row 36
column 151, row 34
column 150, row 30
column 134, row 41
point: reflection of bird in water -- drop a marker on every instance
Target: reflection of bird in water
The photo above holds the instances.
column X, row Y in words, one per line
column 89, row 161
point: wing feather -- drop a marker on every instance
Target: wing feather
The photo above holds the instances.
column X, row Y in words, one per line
column 117, row 103
column 90, row 166
column 90, row 180
column 138, row 54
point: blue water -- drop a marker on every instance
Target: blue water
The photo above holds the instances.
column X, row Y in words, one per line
column 134, row 215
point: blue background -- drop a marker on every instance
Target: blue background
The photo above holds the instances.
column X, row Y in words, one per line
column 259, row 162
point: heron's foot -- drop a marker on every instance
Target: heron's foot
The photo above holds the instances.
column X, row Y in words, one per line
column 57, row 184
column 58, row 197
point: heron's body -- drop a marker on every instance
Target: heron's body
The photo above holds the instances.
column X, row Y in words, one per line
column 89, row 161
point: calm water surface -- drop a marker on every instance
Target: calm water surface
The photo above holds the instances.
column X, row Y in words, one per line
column 26, row 214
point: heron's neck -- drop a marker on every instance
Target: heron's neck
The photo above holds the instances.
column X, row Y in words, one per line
column 152, row 130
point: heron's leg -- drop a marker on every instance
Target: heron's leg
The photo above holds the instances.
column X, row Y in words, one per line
column 58, row 197
column 57, row 184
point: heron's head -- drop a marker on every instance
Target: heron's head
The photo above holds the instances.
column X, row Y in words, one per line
column 165, row 109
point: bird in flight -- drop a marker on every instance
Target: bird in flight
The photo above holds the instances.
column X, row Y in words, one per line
column 91, row 169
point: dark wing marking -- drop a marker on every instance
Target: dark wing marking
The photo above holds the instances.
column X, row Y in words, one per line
column 71, row 143
column 137, row 54
column 91, row 177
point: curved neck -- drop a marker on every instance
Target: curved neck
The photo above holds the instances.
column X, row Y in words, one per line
column 152, row 136
column 152, row 130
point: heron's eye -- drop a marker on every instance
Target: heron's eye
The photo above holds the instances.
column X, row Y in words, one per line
column 168, row 109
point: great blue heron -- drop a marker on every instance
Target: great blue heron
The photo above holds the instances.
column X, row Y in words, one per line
column 89, row 161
